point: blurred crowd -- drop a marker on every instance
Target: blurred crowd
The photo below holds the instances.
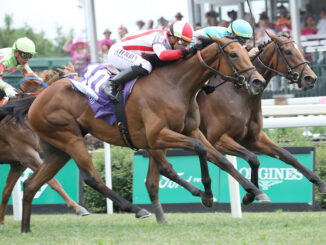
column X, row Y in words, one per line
column 311, row 22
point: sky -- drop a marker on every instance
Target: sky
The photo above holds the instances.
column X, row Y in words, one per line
column 46, row 15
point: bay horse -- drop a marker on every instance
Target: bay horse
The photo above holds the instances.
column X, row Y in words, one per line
column 232, row 120
column 156, row 112
column 19, row 146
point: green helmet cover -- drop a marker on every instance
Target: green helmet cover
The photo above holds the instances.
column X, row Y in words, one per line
column 25, row 45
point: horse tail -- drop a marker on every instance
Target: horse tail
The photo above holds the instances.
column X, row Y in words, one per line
column 17, row 109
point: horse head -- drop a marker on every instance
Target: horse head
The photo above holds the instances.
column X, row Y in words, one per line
column 31, row 83
column 234, row 65
column 286, row 59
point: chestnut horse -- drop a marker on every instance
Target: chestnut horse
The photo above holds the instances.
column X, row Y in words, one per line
column 19, row 146
column 156, row 112
column 227, row 104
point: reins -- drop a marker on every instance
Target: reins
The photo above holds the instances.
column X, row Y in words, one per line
column 294, row 77
column 239, row 80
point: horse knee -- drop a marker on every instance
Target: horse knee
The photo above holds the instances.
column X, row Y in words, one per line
column 254, row 162
column 199, row 147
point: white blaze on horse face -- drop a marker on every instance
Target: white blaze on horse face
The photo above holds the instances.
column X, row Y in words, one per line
column 297, row 47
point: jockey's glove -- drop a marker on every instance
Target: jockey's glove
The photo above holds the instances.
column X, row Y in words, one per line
column 10, row 91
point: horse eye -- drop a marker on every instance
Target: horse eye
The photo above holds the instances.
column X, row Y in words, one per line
column 288, row 52
column 233, row 55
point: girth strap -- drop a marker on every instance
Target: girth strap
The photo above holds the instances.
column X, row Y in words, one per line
column 122, row 120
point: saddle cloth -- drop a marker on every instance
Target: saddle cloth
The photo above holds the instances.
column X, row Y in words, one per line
column 94, row 76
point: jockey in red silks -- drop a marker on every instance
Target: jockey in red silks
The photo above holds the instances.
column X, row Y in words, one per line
column 129, row 54
column 13, row 59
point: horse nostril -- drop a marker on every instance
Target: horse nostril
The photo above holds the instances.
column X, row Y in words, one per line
column 310, row 79
column 257, row 82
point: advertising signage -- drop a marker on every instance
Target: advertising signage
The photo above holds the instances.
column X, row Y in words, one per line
column 281, row 182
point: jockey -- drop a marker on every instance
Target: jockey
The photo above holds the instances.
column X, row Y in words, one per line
column 13, row 59
column 239, row 29
column 129, row 54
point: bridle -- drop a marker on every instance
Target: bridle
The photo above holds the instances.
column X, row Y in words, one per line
column 294, row 77
column 238, row 79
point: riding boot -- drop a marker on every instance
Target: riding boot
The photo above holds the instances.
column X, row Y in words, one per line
column 110, row 87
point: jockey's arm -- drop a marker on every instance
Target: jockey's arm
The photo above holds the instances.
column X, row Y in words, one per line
column 7, row 88
column 168, row 55
column 26, row 69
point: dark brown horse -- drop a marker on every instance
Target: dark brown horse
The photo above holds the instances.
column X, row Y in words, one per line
column 232, row 120
column 156, row 113
column 19, row 147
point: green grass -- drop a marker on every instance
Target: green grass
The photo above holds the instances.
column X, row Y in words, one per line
column 183, row 228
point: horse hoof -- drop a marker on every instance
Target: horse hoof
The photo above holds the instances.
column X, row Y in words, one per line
column 207, row 202
column 82, row 212
column 143, row 213
column 248, row 198
column 262, row 198
column 322, row 188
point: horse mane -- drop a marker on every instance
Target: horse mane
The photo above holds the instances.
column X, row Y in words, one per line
column 17, row 109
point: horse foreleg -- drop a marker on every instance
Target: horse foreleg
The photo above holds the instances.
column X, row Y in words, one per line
column 15, row 172
column 79, row 153
column 227, row 145
column 266, row 146
column 171, row 139
column 219, row 160
column 152, row 185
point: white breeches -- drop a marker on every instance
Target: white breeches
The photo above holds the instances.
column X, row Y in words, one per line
column 122, row 59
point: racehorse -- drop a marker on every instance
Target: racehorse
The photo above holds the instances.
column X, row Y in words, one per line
column 228, row 104
column 156, row 111
column 19, row 146
column 231, row 118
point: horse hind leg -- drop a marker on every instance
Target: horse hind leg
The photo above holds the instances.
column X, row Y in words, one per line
column 79, row 153
column 33, row 161
column 15, row 172
column 152, row 185
column 54, row 161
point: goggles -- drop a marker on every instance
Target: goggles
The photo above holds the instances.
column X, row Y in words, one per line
column 241, row 40
column 25, row 55
column 182, row 42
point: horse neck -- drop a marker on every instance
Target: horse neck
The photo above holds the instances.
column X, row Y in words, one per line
column 194, row 75
column 267, row 58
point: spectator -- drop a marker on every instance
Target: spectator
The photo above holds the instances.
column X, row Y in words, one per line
column 104, row 47
column 107, row 34
column 232, row 15
column 178, row 16
column 283, row 22
column 308, row 12
column 309, row 26
column 264, row 26
column 321, row 26
column 79, row 53
column 163, row 24
column 122, row 31
column 140, row 25
column 211, row 17
column 150, row 25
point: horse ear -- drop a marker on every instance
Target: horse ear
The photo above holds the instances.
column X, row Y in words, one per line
column 272, row 36
column 217, row 40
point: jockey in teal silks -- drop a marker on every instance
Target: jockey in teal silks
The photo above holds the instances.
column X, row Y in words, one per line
column 13, row 59
column 239, row 29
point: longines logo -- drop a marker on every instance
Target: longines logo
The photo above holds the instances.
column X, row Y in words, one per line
column 272, row 176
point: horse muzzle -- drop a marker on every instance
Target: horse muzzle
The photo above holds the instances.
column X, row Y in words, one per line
column 256, row 85
column 308, row 82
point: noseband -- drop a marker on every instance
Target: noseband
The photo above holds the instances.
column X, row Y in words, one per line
column 294, row 77
column 238, row 79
